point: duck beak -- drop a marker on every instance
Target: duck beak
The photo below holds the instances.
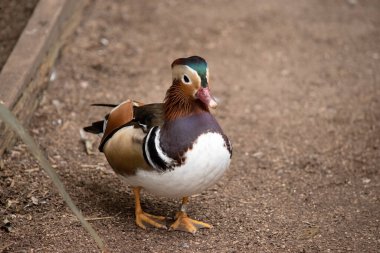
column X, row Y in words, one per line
column 203, row 94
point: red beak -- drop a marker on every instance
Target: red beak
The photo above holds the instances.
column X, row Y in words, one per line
column 204, row 95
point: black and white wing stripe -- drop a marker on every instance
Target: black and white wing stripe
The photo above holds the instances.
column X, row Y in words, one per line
column 153, row 153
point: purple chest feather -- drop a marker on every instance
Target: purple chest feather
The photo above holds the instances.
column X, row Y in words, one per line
column 179, row 135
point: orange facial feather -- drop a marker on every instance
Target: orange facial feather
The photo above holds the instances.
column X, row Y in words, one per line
column 179, row 102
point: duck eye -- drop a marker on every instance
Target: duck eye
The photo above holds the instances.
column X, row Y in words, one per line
column 186, row 79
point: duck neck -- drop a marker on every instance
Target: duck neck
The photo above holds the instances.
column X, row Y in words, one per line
column 177, row 104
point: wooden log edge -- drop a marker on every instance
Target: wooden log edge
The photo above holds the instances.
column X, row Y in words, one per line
column 26, row 73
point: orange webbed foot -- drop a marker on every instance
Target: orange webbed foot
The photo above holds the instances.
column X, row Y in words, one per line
column 186, row 224
column 143, row 219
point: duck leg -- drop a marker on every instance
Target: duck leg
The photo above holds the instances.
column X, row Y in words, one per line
column 143, row 218
column 186, row 224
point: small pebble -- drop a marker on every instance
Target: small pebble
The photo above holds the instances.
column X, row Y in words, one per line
column 185, row 245
column 352, row 2
column 105, row 42
column 34, row 200
column 366, row 180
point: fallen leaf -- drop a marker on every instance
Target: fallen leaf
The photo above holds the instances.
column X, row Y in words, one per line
column 87, row 142
column 309, row 233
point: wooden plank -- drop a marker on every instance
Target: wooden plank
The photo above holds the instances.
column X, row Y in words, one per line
column 25, row 74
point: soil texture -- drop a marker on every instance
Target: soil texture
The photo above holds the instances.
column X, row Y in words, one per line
column 299, row 90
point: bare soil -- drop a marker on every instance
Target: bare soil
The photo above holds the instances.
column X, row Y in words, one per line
column 299, row 90
column 14, row 16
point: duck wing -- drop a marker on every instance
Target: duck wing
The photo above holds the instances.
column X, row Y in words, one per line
column 125, row 114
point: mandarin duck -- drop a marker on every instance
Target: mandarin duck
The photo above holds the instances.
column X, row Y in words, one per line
column 174, row 149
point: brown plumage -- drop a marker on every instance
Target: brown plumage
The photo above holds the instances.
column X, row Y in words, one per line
column 122, row 145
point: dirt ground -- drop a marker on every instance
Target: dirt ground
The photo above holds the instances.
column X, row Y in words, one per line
column 13, row 18
column 299, row 90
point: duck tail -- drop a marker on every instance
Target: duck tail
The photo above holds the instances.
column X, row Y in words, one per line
column 95, row 128
column 105, row 105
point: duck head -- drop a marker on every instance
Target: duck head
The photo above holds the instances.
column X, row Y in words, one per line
column 190, row 86
column 192, row 75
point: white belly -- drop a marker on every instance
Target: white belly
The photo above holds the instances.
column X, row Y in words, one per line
column 205, row 163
